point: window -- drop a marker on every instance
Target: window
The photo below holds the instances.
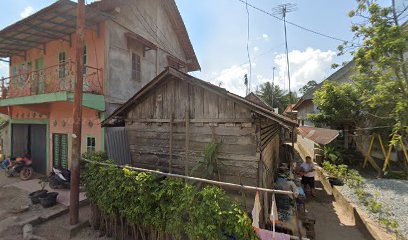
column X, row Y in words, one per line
column 90, row 144
column 62, row 58
column 29, row 67
column 60, row 150
column 136, row 69
column 21, row 73
column 15, row 73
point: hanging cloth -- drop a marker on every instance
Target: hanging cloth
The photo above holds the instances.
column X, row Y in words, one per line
column 256, row 211
column 269, row 235
column 274, row 214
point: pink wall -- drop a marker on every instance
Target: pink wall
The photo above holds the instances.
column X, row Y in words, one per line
column 60, row 121
column 95, row 51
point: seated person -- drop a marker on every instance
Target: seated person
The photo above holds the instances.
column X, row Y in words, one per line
column 284, row 202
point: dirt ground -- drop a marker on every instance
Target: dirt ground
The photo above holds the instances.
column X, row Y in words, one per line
column 331, row 223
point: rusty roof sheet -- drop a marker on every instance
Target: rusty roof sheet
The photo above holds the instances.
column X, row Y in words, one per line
column 318, row 135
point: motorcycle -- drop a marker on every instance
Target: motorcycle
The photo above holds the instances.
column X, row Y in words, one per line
column 60, row 179
column 21, row 166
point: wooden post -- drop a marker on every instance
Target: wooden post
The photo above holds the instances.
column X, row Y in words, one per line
column 387, row 158
column 187, row 140
column 404, row 149
column 171, row 141
column 346, row 137
column 382, row 146
column 77, row 112
column 369, row 151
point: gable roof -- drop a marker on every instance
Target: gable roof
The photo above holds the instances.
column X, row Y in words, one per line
column 336, row 76
column 176, row 21
column 170, row 73
column 257, row 100
column 289, row 108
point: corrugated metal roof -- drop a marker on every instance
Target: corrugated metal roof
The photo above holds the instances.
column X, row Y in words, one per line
column 56, row 21
column 318, row 135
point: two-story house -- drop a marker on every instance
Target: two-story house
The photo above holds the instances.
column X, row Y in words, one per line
column 127, row 43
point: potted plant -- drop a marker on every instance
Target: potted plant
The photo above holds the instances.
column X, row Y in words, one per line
column 49, row 200
column 34, row 196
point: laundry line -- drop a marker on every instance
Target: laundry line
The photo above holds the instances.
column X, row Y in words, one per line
column 219, row 183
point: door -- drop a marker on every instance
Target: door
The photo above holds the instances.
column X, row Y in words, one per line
column 31, row 139
column 38, row 147
column 39, row 73
column 19, row 140
column 60, row 150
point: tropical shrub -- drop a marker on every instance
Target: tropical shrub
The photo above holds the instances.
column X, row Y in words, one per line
column 145, row 206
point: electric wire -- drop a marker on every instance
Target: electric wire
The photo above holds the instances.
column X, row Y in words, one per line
column 292, row 23
column 157, row 37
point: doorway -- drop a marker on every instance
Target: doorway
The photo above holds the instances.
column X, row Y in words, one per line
column 30, row 139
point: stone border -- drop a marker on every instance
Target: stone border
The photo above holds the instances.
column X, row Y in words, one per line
column 367, row 226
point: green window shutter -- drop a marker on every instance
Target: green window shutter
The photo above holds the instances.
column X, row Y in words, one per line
column 64, row 150
column 60, row 150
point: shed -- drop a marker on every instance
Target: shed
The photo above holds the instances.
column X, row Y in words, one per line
column 170, row 121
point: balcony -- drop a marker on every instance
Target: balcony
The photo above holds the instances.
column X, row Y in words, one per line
column 53, row 79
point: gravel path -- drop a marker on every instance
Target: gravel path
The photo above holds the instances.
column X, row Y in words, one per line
column 391, row 193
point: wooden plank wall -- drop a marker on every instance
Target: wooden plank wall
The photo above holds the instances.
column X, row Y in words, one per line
column 270, row 144
column 210, row 117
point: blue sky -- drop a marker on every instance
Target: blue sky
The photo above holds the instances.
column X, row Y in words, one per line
column 218, row 31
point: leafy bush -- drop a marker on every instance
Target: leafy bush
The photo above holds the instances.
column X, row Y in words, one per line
column 209, row 166
column 149, row 207
column 332, row 154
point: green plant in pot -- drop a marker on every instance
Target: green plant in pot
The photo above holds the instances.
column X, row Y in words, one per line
column 36, row 195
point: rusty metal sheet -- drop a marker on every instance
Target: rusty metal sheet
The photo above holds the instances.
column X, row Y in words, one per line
column 318, row 135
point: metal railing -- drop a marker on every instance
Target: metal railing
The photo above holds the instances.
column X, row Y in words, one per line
column 56, row 78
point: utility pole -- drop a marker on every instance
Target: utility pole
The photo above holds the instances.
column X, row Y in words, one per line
column 77, row 112
column 283, row 9
column 273, row 84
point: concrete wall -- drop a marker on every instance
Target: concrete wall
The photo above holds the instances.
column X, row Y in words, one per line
column 306, row 146
column 149, row 19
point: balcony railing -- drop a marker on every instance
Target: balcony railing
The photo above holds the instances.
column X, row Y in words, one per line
column 57, row 78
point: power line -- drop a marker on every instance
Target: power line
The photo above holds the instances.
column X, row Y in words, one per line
column 292, row 23
column 248, row 37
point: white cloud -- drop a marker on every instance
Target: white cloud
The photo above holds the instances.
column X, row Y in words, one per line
column 27, row 12
column 231, row 78
column 311, row 64
column 265, row 36
column 256, row 49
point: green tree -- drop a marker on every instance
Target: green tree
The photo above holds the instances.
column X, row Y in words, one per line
column 309, row 85
column 274, row 96
column 336, row 103
column 381, row 74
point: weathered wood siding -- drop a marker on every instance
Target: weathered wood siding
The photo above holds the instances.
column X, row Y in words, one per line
column 211, row 116
column 270, row 142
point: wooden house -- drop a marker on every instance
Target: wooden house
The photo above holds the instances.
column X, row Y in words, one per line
column 170, row 121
